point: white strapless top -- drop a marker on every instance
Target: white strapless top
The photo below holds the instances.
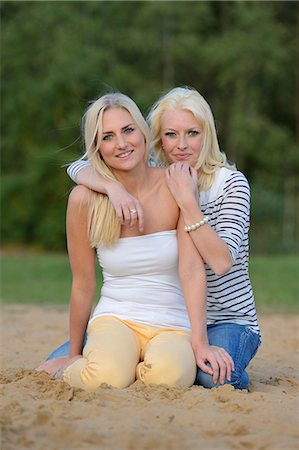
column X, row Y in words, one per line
column 141, row 281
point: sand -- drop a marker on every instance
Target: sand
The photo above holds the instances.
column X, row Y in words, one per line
column 40, row 413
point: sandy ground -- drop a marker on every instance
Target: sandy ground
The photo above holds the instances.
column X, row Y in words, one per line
column 39, row 413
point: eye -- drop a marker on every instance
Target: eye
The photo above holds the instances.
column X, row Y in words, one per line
column 128, row 130
column 170, row 134
column 193, row 133
column 107, row 137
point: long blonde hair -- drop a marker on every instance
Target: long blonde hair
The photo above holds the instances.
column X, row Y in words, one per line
column 103, row 225
column 210, row 157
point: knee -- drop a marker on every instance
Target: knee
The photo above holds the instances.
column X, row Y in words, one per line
column 205, row 380
column 90, row 375
column 176, row 374
column 239, row 380
column 110, row 372
column 165, row 370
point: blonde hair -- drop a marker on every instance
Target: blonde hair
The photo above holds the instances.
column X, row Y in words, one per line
column 210, row 157
column 103, row 225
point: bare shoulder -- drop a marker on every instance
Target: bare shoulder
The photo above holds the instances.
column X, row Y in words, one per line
column 79, row 196
column 161, row 187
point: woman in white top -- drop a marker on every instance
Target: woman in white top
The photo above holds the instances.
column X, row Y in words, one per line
column 141, row 327
column 184, row 135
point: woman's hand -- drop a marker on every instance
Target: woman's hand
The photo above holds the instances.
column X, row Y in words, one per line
column 127, row 207
column 220, row 362
column 182, row 182
column 56, row 366
column 53, row 365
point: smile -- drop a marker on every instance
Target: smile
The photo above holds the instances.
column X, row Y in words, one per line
column 124, row 154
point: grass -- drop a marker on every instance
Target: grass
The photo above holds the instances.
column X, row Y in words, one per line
column 43, row 278
column 275, row 281
column 46, row 279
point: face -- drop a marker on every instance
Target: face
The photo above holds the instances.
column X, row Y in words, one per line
column 181, row 136
column 123, row 144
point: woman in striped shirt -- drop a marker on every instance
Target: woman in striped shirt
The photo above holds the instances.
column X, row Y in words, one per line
column 214, row 199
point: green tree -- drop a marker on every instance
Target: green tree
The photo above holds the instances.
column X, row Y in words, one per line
column 56, row 56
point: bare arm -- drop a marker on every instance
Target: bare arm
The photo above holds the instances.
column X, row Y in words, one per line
column 193, row 278
column 81, row 172
column 182, row 181
column 82, row 261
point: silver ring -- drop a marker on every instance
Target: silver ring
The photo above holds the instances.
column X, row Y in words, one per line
column 133, row 211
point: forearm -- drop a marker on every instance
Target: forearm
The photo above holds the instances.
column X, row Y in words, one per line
column 193, row 279
column 124, row 203
column 212, row 248
column 194, row 289
column 81, row 304
column 83, row 173
column 194, row 283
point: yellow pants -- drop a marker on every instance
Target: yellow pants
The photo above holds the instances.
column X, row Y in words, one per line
column 115, row 348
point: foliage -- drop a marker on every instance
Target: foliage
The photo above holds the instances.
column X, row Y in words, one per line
column 58, row 55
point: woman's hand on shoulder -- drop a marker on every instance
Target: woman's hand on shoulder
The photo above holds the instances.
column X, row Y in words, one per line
column 127, row 207
column 215, row 361
column 182, row 182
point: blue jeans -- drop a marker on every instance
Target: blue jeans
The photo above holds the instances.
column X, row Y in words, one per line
column 241, row 343
column 64, row 349
column 238, row 340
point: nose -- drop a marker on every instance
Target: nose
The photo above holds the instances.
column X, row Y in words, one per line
column 121, row 141
column 182, row 144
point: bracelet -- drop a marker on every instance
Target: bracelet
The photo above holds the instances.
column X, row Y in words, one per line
column 196, row 225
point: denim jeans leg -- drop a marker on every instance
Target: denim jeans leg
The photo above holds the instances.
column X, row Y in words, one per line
column 64, row 349
column 241, row 343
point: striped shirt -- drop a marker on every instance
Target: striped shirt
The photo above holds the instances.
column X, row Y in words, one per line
column 74, row 168
column 227, row 204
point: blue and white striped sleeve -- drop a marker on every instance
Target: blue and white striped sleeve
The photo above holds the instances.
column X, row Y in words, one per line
column 74, row 168
column 234, row 214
